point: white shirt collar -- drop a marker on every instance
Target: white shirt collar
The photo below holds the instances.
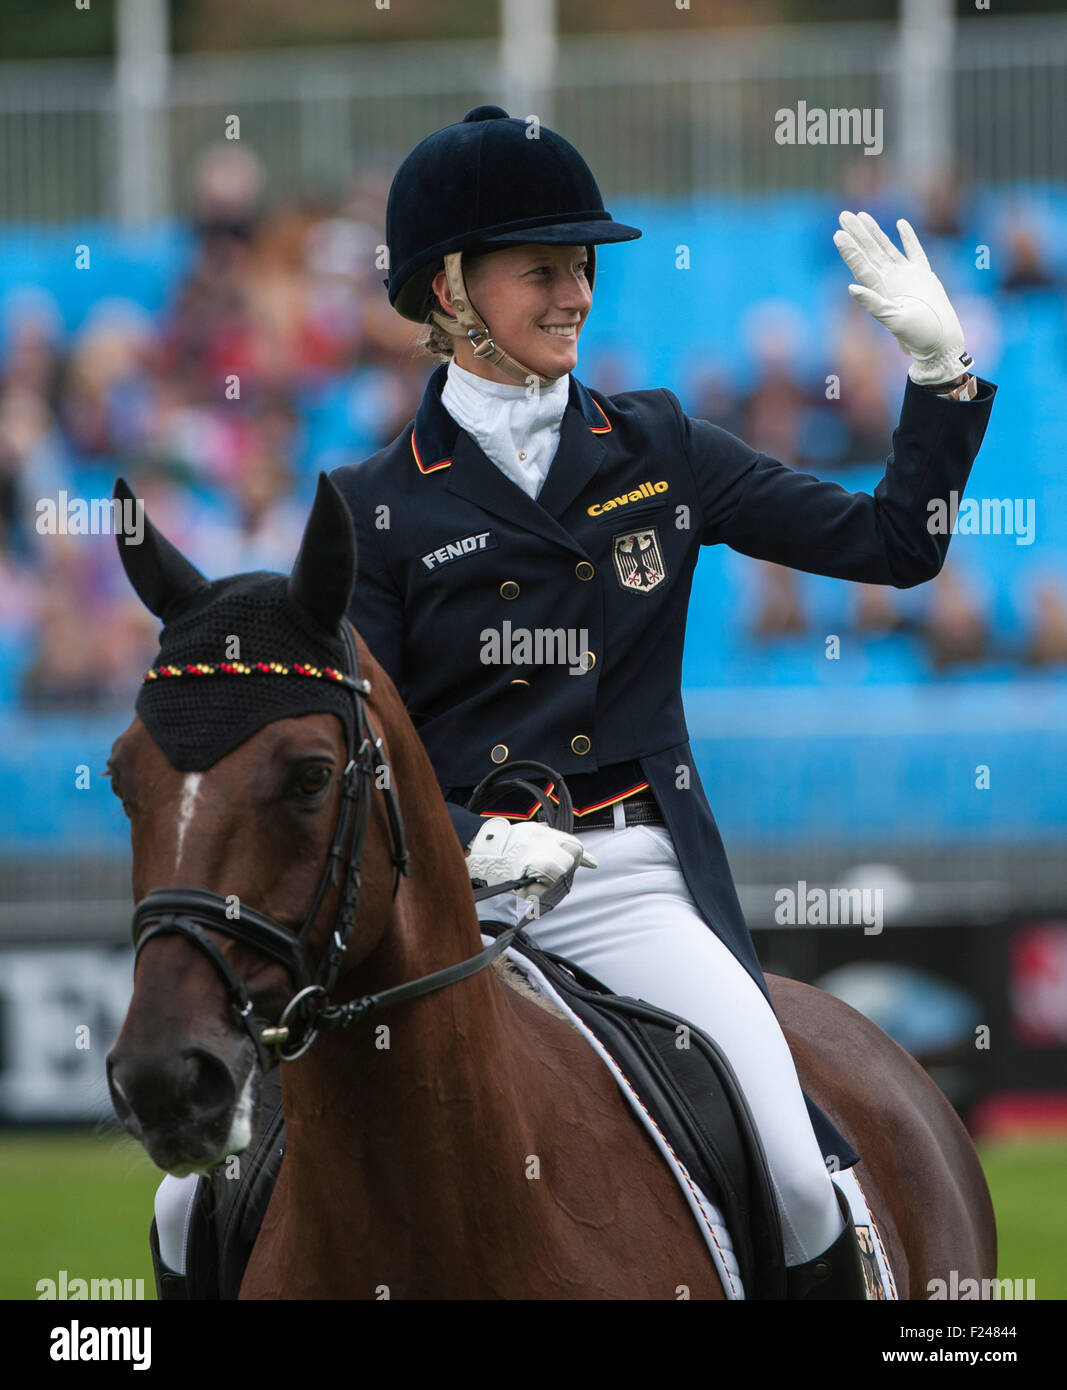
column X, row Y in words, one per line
column 508, row 420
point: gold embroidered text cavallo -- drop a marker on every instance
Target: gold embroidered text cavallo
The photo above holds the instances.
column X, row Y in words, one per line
column 648, row 489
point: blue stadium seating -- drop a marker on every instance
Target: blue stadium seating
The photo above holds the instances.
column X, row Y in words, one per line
column 873, row 748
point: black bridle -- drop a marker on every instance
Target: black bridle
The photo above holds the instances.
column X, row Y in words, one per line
column 189, row 912
column 192, row 912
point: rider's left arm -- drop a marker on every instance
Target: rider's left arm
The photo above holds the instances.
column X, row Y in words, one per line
column 762, row 508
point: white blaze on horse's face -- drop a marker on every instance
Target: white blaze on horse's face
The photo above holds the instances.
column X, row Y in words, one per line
column 190, row 789
column 240, row 1134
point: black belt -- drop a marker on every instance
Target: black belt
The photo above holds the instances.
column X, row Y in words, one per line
column 638, row 810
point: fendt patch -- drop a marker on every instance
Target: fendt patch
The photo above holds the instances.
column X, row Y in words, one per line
column 638, row 494
column 459, row 549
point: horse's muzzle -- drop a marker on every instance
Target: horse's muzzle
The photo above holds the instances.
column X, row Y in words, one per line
column 186, row 1107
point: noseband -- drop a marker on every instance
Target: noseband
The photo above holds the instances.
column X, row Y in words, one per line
column 188, row 911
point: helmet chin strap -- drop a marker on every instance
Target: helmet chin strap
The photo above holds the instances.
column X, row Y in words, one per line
column 469, row 324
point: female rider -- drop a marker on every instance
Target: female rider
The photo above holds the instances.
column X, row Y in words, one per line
column 518, row 501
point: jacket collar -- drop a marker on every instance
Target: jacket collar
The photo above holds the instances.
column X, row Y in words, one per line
column 438, row 444
column 433, row 437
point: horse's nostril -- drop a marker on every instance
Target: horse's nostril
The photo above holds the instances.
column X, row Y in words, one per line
column 210, row 1089
column 118, row 1096
column 159, row 1091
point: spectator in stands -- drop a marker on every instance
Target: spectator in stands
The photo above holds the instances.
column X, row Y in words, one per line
column 33, row 330
column 1026, row 268
column 107, row 390
column 1047, row 642
column 863, row 407
column 955, row 631
column 292, row 299
column 863, row 417
column 211, row 332
column 277, row 295
column 67, row 672
column 942, row 215
column 32, row 465
column 262, row 528
column 713, row 394
column 772, row 417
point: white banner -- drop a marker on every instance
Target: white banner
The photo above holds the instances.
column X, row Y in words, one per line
column 60, row 1011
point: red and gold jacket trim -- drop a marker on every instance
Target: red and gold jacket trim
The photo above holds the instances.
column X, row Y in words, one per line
column 584, row 811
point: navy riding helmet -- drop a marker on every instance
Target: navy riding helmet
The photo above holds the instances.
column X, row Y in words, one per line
column 488, row 181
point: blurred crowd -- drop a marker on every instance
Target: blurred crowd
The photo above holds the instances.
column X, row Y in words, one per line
column 832, row 425
column 206, row 410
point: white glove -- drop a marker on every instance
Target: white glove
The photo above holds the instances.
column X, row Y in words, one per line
column 904, row 293
column 501, row 851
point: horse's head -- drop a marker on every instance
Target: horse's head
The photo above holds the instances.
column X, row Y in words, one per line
column 248, row 777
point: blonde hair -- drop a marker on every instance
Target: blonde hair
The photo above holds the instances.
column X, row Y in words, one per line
column 438, row 342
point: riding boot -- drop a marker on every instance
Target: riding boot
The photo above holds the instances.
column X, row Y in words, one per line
column 168, row 1284
column 838, row 1272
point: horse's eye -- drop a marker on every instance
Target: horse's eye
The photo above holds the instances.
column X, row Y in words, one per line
column 313, row 780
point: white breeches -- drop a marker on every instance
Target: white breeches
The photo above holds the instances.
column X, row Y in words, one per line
column 632, row 923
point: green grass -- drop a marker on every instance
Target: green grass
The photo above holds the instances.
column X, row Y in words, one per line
column 76, row 1201
column 82, row 1202
column 1028, row 1183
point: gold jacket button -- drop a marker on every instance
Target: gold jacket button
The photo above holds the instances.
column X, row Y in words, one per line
column 518, row 681
column 584, row 570
column 587, row 661
column 499, row 753
column 509, row 589
column 580, row 744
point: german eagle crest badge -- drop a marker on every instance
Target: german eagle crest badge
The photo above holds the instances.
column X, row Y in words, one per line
column 639, row 560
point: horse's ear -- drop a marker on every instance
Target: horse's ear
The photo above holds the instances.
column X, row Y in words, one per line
column 162, row 577
column 325, row 569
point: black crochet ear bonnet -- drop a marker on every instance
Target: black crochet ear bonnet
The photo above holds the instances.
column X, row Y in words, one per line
column 241, row 652
column 244, row 624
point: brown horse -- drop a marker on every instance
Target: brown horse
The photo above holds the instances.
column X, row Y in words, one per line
column 470, row 1144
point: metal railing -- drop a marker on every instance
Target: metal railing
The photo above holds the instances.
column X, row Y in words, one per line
column 656, row 114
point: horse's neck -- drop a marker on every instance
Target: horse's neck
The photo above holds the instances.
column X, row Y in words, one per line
column 374, row 1111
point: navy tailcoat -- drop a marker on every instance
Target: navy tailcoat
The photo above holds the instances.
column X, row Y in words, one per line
column 553, row 628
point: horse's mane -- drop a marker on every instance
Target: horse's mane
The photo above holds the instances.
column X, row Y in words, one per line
column 510, row 975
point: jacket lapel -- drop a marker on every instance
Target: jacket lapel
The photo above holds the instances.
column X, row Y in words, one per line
column 479, row 480
column 580, row 454
column 439, row 443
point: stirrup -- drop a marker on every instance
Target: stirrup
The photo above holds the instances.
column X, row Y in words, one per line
column 835, row 1274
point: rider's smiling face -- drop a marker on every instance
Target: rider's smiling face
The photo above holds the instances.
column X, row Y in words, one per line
column 534, row 300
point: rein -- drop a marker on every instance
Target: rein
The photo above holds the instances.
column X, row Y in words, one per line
column 191, row 912
column 341, row 1016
